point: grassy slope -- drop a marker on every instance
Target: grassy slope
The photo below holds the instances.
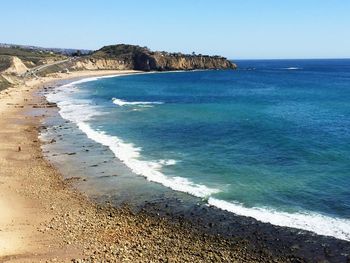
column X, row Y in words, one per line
column 118, row 50
column 3, row 83
column 29, row 57
column 55, row 69
column 5, row 62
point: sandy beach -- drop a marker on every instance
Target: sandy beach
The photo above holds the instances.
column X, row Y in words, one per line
column 44, row 219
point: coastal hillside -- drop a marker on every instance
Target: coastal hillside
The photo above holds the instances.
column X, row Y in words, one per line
column 15, row 66
column 17, row 62
column 141, row 58
column 24, row 61
column 30, row 58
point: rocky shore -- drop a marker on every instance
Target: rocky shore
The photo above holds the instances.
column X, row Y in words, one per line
column 50, row 221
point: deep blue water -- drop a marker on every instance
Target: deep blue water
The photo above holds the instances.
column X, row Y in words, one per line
column 270, row 140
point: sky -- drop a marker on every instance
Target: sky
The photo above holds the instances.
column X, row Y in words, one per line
column 237, row 29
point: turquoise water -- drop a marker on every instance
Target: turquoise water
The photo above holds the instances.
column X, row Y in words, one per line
column 270, row 140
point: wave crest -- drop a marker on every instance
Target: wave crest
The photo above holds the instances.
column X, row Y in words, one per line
column 292, row 68
column 121, row 102
column 317, row 223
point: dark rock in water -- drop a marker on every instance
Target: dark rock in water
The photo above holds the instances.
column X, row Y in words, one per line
column 73, row 179
column 51, row 105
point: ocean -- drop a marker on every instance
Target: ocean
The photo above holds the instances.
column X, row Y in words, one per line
column 270, row 140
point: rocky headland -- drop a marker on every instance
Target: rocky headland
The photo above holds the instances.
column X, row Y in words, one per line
column 141, row 58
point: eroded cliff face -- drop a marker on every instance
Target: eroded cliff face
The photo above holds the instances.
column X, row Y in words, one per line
column 139, row 58
column 14, row 66
column 164, row 61
column 101, row 63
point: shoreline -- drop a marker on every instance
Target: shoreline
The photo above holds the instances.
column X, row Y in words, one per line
column 74, row 227
column 50, row 221
column 308, row 221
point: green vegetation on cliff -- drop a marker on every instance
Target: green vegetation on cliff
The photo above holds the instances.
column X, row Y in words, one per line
column 115, row 51
column 4, row 83
column 5, row 62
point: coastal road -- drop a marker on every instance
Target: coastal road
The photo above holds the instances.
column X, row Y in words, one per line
column 33, row 71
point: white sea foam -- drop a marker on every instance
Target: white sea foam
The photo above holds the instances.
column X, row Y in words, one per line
column 121, row 102
column 129, row 155
column 167, row 162
column 81, row 111
column 88, row 79
column 75, row 110
column 317, row 223
column 95, row 78
column 292, row 68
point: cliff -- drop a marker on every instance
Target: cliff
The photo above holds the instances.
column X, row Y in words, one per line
column 141, row 58
column 15, row 66
column 92, row 63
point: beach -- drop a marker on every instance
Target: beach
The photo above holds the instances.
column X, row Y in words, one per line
column 46, row 219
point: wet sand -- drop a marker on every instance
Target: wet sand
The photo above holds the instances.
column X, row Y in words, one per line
column 44, row 219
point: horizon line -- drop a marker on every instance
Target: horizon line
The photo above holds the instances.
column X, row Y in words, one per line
column 312, row 58
column 231, row 59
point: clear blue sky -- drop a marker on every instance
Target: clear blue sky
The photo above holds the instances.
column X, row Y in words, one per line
column 233, row 28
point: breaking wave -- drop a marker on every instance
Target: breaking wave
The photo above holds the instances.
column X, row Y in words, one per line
column 121, row 102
